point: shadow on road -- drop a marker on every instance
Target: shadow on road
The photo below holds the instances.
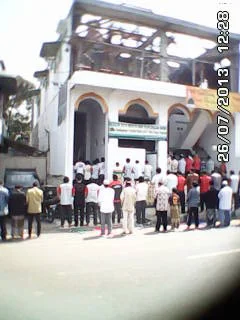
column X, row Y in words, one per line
column 151, row 233
column 92, row 238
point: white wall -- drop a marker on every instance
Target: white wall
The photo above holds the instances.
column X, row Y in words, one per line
column 117, row 154
column 176, row 122
column 20, row 162
column 158, row 95
column 209, row 138
column 197, row 127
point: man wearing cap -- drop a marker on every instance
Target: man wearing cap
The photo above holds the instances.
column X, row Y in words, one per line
column 106, row 203
column 225, row 204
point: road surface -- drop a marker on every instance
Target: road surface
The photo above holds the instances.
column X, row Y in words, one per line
column 67, row 274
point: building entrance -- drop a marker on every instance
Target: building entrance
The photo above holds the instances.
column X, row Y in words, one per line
column 89, row 131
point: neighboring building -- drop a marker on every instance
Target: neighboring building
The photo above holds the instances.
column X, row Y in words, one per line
column 120, row 83
column 8, row 86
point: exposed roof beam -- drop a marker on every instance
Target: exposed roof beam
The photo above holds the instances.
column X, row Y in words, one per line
column 150, row 39
column 138, row 16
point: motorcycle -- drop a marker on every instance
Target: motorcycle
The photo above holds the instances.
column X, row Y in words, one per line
column 50, row 207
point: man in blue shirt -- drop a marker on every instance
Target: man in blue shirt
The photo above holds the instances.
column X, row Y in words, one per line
column 4, row 195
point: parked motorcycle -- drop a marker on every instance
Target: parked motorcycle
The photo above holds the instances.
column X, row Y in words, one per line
column 49, row 212
column 50, row 207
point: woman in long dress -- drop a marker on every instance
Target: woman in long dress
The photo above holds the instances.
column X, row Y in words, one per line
column 175, row 209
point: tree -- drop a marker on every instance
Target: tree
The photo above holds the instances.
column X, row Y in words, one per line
column 19, row 109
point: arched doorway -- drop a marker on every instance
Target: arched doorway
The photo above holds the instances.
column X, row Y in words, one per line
column 136, row 113
column 89, row 130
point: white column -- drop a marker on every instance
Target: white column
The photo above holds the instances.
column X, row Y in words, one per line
column 162, row 145
column 68, row 168
column 162, row 155
column 111, row 152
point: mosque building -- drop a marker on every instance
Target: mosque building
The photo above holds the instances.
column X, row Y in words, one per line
column 123, row 82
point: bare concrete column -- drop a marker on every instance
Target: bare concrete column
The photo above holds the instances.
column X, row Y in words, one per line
column 164, row 56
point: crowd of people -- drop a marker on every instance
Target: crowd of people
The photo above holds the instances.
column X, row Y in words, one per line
column 189, row 186
column 19, row 204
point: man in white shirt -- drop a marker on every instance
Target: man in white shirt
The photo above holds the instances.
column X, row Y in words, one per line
column 225, row 204
column 217, row 179
column 95, row 171
column 141, row 191
column 106, row 203
column 128, row 200
column 209, row 165
column 174, row 165
column 137, row 170
column 127, row 170
column 182, row 164
column 171, row 181
column 101, row 170
column 79, row 167
column 65, row 192
column 148, row 171
column 91, row 200
column 157, row 177
column 118, row 170
column 169, row 162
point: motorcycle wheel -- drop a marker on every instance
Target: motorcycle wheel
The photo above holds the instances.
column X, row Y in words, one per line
column 50, row 215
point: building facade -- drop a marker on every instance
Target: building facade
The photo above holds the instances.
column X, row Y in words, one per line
column 123, row 82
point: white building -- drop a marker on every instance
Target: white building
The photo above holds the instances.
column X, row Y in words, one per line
column 124, row 82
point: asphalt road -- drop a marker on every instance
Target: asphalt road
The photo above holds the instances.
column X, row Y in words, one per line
column 77, row 275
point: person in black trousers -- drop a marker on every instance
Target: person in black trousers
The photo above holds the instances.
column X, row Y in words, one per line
column 162, row 195
column 193, row 200
column 79, row 199
column 211, row 201
column 117, row 187
column 17, row 208
column 141, row 203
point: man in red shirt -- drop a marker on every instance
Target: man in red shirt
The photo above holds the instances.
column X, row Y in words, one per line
column 189, row 163
column 180, row 188
column 196, row 163
column 204, row 187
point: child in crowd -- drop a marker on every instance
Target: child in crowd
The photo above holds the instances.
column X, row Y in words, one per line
column 175, row 209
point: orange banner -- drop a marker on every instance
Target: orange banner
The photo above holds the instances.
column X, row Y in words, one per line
column 208, row 99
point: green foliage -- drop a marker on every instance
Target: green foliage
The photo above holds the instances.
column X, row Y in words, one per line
column 18, row 123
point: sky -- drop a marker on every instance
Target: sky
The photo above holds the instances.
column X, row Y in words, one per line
column 26, row 24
